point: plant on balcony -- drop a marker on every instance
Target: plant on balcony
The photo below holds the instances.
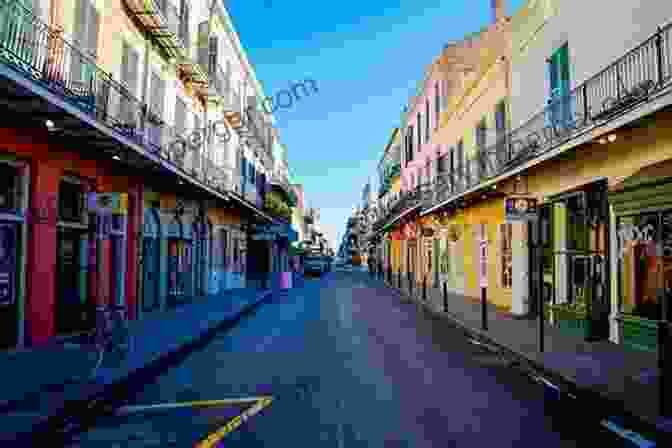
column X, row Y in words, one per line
column 277, row 206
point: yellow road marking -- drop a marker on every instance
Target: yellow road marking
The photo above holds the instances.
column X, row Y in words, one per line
column 189, row 404
column 234, row 423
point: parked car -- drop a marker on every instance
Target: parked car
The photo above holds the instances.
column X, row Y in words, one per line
column 315, row 264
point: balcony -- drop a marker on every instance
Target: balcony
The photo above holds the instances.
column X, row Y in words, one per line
column 160, row 19
column 44, row 77
column 634, row 79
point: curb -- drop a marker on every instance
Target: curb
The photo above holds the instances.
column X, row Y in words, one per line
column 55, row 428
column 661, row 431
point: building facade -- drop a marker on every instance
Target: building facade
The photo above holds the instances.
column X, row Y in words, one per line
column 135, row 171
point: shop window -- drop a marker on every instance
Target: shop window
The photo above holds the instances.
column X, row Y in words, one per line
column 70, row 201
column 506, row 231
column 9, row 187
column 639, row 265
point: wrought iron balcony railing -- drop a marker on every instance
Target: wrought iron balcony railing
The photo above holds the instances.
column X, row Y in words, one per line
column 628, row 82
column 39, row 53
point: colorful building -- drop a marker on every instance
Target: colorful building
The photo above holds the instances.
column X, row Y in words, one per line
column 114, row 188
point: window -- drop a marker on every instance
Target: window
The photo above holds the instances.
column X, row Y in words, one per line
column 426, row 121
column 507, row 255
column 184, row 24
column 9, row 184
column 419, row 124
column 85, row 34
column 462, row 170
column 481, row 142
column 500, row 130
column 437, row 105
column 129, row 77
column 180, row 116
column 70, row 201
column 410, row 144
column 559, row 86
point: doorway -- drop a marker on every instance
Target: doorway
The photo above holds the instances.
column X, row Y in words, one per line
column 9, row 313
column 72, row 313
column 570, row 268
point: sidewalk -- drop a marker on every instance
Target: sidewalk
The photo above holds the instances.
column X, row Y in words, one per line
column 40, row 384
column 617, row 374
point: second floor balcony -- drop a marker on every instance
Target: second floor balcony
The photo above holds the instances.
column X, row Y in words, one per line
column 168, row 27
column 636, row 78
column 50, row 78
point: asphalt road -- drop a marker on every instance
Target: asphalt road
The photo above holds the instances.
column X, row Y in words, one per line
column 348, row 365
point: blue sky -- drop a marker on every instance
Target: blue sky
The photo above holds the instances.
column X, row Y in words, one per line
column 366, row 56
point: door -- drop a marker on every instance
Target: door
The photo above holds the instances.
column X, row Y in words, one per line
column 70, row 311
column 579, row 233
column 9, row 237
column 150, row 274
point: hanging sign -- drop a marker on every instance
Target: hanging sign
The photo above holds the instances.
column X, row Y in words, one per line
column 521, row 209
column 8, row 237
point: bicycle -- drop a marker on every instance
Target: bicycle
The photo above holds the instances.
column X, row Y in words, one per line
column 110, row 335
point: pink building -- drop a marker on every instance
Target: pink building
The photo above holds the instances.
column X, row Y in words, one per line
column 446, row 79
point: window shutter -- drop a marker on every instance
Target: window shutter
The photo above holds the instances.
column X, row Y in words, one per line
column 79, row 30
column 132, row 70
column 563, row 72
column 419, row 125
column 437, row 106
column 427, row 120
column 93, row 29
column 125, row 63
column 180, row 116
column 203, row 44
column 214, row 47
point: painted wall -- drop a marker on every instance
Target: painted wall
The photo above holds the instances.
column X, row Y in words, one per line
column 631, row 151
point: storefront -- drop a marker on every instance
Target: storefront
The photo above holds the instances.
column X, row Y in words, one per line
column 575, row 240
column 14, row 182
column 642, row 211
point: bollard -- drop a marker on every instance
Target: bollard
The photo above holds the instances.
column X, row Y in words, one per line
column 445, row 297
column 424, row 288
column 484, row 308
column 663, row 367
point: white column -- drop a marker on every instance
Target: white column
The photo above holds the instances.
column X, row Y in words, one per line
column 560, row 244
column 520, row 300
column 614, row 335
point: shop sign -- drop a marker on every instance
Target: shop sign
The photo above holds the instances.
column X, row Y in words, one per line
column 630, row 233
column 521, row 209
column 410, row 231
column 7, row 263
column 483, row 262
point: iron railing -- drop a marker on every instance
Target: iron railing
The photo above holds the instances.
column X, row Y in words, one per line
column 629, row 81
column 40, row 53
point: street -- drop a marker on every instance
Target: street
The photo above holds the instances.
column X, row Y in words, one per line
column 347, row 364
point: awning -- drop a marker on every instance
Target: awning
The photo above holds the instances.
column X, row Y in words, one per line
column 395, row 220
column 250, row 206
